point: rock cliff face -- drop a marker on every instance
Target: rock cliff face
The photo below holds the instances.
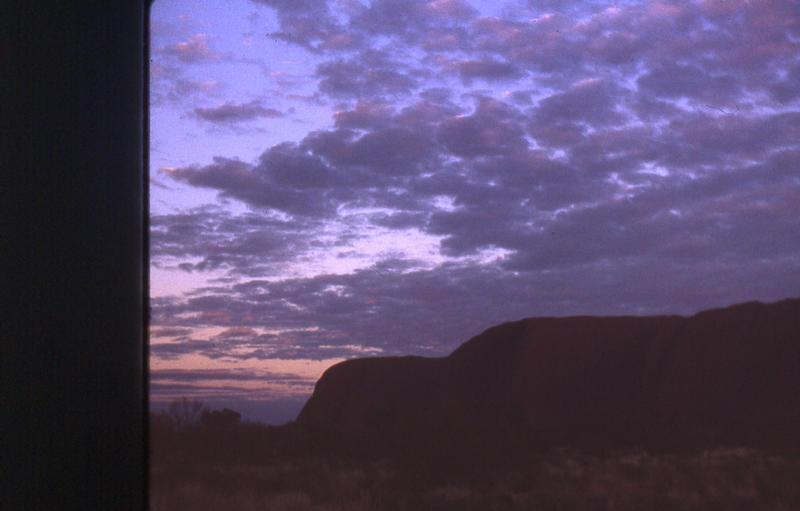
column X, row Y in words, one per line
column 724, row 376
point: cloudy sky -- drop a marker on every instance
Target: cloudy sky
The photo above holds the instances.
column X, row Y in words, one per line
column 345, row 178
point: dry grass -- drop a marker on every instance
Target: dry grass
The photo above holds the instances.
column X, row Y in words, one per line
column 723, row 479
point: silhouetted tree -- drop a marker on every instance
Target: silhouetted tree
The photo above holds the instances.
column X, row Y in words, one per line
column 185, row 413
column 161, row 423
column 224, row 419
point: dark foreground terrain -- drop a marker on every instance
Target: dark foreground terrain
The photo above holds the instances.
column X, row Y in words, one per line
column 621, row 413
column 558, row 479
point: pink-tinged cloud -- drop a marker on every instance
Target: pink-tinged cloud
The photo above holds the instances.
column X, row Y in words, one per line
column 365, row 115
column 196, row 49
column 453, row 9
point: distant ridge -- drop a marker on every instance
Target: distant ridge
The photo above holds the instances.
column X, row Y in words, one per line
column 728, row 376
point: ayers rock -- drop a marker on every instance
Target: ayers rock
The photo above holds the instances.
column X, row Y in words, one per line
column 726, row 376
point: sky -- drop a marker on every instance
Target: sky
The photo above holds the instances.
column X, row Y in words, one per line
column 334, row 179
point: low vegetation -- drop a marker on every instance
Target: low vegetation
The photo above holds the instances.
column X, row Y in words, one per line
column 209, row 460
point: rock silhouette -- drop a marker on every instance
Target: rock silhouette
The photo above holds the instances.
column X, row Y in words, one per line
column 727, row 376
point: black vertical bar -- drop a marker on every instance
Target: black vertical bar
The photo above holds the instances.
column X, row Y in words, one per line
column 73, row 254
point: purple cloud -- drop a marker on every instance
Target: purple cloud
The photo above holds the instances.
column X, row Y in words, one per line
column 489, row 70
column 407, row 18
column 494, row 128
column 170, row 332
column 593, row 102
column 365, row 115
column 247, row 244
column 233, row 113
column 676, row 81
column 264, row 186
column 311, row 25
column 373, row 73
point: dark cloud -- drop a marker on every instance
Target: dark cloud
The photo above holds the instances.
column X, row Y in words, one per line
column 618, row 150
column 425, row 115
column 233, row 113
column 316, row 27
column 265, row 185
column 445, row 39
column 766, row 33
column 562, row 6
column 686, row 81
column 437, row 95
column 591, row 102
column 173, row 350
column 169, row 85
column 408, row 18
column 393, row 150
column 315, row 35
column 215, row 239
column 494, row 128
column 311, row 25
column 701, row 139
column 328, row 169
column 556, row 134
column 287, row 165
column 170, row 332
column 649, row 109
column 235, row 333
column 297, row 7
column 542, row 45
column 489, row 70
column 372, row 73
column 676, row 222
column 365, row 115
